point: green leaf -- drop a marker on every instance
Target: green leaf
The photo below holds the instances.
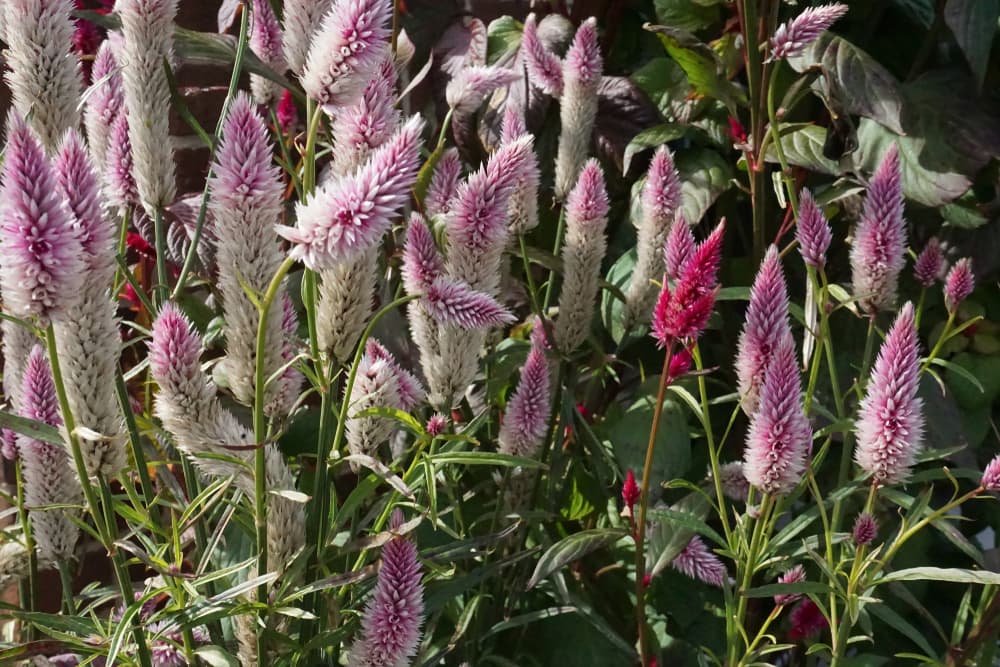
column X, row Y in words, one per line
column 666, row 85
column 856, row 80
column 651, row 138
column 702, row 64
column 216, row 657
column 964, row 213
column 31, row 428
column 952, row 574
column 666, row 540
column 974, row 23
column 770, row 590
column 685, row 15
column 704, row 176
column 503, row 36
column 803, row 147
column 613, row 309
column 573, row 548
column 687, row 521
column 485, row 459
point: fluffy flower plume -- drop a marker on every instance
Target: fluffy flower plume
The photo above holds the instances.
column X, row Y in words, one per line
column 103, row 101
column 697, row 561
column 452, row 302
column 390, row 628
column 365, row 126
column 684, row 311
column 13, row 561
column 544, row 68
column 350, row 215
column 578, row 106
column 791, row 38
column 991, row 475
column 527, row 417
column 346, row 297
column 812, row 232
column 582, row 253
column 301, row 18
column 929, row 266
column 630, row 491
column 43, row 72
column 678, row 248
column 779, row 438
column 49, row 478
column 958, row 284
column 422, row 263
column 865, row 529
column 265, row 42
column 78, row 186
column 765, row 326
column 807, row 620
column 890, row 423
column 436, row 425
column 351, row 44
column 17, row 344
column 120, row 185
column 793, row 576
column 41, row 262
column 467, row 90
column 880, row 238
column 444, row 182
column 524, row 201
column 286, row 113
column 659, row 200
column 734, row 483
column 246, row 204
column 148, row 31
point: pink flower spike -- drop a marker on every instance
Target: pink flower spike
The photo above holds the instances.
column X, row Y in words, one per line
column 929, row 266
column 779, row 437
column 766, row 324
column 287, row 113
column 104, row 99
column 734, row 483
column 444, row 182
column 865, row 529
column 991, row 475
column 422, row 263
column 630, row 491
column 807, row 620
column 890, row 423
column 678, row 248
column 121, row 188
column 661, row 194
column 351, row 214
column 411, row 393
column 791, row 38
column 959, row 283
column 470, row 87
column 684, row 311
column 697, row 561
column 880, row 238
column 365, row 126
column 344, row 54
column 793, row 576
column 812, row 232
column 544, row 67
column 175, row 349
column 453, row 302
column 584, row 63
column 512, row 126
column 266, row 44
column 41, row 265
column 436, row 425
column 390, row 628
column 527, row 418
column 79, row 187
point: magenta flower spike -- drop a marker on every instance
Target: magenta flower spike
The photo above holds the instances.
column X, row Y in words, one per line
column 792, row 38
column 991, row 475
column 120, row 185
column 301, row 20
column 766, row 324
column 865, row 529
column 697, row 561
column 287, row 113
column 793, row 576
column 39, row 247
column 779, row 438
column 470, row 87
column 352, row 42
column 454, row 303
column 390, row 628
column 103, row 101
column 512, row 126
column 411, row 393
column 436, row 425
column 363, row 127
column 678, row 248
column 958, row 284
column 524, row 200
column 929, row 266
column 578, row 105
column 682, row 313
column 544, row 67
column 350, row 215
column 444, row 183
column 890, row 423
column 422, row 263
column 661, row 194
column 527, row 417
column 812, row 232
column 266, row 44
column 630, row 491
column 734, row 483
column 877, row 255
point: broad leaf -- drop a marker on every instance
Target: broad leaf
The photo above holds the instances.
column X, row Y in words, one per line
column 803, row 147
column 974, row 23
column 573, row 548
column 702, row 65
column 704, row 176
column 952, row 574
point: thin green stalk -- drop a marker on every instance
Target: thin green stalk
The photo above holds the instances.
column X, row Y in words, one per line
column 774, row 127
column 29, row 539
column 759, row 530
column 560, row 228
column 939, row 343
column 66, row 581
column 162, row 289
column 713, row 452
column 135, row 443
column 119, row 279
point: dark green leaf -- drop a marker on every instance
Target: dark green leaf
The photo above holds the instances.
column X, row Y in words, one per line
column 803, row 147
column 974, row 23
column 952, row 574
column 31, row 428
column 702, row 65
column 572, row 548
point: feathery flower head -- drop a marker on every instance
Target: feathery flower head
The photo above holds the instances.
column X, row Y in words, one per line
column 812, row 232
column 453, row 302
column 243, row 170
column 583, row 62
column 587, row 203
column 523, row 211
column 436, row 425
column 38, row 391
column 104, row 99
column 661, row 194
column 865, row 529
column 120, row 183
column 766, row 325
column 697, row 561
column 680, row 363
column 444, row 182
column 350, row 215
column 526, row 419
column 266, row 44
column 807, row 620
column 469, row 88
column 545, row 69
column 791, row 38
column 793, row 576
column 41, row 252
column 630, row 491
column 734, row 482
column 512, row 126
column 287, row 113
column 422, row 263
column 779, row 437
column 890, row 423
column 365, row 126
column 991, row 475
column 79, row 187
column 410, row 390
column 301, row 19
column 929, row 266
column 678, row 248
column 390, row 628
column 880, row 238
column 350, row 45
column 684, row 311
column 175, row 347
column 958, row 284
column 578, row 105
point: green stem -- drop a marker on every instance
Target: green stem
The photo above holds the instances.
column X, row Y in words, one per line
column 713, row 452
column 759, row 530
column 29, row 539
column 560, row 228
column 66, row 580
column 939, row 343
column 162, row 289
column 774, row 128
